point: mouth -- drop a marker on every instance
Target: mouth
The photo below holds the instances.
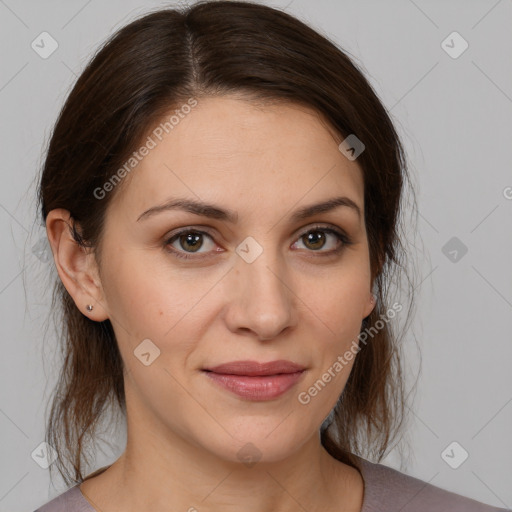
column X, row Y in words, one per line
column 256, row 369
column 256, row 381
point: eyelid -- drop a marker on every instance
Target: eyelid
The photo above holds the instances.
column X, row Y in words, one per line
column 298, row 233
column 342, row 236
column 174, row 235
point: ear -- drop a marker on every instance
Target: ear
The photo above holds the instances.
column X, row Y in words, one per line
column 76, row 266
column 369, row 306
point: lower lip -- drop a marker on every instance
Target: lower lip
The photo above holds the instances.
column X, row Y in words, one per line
column 262, row 387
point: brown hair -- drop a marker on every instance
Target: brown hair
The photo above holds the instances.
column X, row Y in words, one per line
column 154, row 64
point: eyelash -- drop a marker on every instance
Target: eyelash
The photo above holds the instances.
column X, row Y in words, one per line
column 342, row 237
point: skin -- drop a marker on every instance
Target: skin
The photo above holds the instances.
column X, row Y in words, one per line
column 292, row 302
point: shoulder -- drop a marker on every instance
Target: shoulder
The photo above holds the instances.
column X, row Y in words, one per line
column 389, row 490
column 70, row 501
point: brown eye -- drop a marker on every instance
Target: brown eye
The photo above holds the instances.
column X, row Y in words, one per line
column 314, row 239
column 319, row 237
column 187, row 242
column 191, row 241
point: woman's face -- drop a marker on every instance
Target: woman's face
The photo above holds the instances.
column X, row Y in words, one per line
column 262, row 286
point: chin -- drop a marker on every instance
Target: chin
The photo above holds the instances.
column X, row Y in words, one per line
column 252, row 446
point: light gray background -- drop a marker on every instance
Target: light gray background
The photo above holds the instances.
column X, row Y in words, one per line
column 455, row 119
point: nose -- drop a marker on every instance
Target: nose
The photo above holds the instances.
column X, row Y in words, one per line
column 261, row 298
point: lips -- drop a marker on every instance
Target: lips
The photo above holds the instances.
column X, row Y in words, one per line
column 255, row 369
column 256, row 381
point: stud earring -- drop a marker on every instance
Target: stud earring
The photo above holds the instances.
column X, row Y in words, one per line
column 90, row 307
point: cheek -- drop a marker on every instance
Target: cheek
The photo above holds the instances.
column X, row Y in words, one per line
column 137, row 315
column 139, row 296
column 153, row 305
column 337, row 314
column 337, row 309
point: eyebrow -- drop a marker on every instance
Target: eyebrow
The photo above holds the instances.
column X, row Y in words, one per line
column 216, row 212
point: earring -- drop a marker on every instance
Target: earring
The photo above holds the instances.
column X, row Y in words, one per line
column 90, row 307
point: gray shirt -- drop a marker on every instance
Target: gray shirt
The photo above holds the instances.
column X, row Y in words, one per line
column 385, row 490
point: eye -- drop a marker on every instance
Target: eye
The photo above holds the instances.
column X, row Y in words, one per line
column 188, row 242
column 317, row 238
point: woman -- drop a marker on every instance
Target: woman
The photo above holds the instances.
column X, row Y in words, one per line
column 222, row 195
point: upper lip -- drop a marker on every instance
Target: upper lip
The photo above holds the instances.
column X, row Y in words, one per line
column 254, row 368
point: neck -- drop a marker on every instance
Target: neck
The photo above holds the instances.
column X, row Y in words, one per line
column 164, row 471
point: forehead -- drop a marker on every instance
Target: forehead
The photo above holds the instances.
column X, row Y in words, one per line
column 247, row 154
